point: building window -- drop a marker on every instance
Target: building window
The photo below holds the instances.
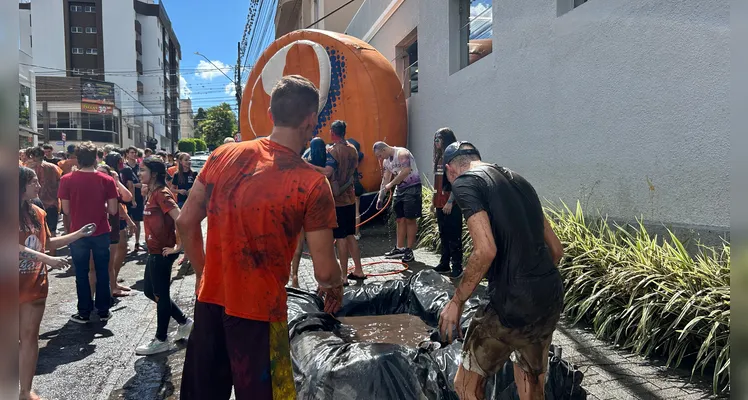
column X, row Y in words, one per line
column 77, row 50
column 90, row 9
column 159, row 62
column 564, row 6
column 76, row 29
column 159, row 43
column 76, row 71
column 90, row 29
column 92, row 51
column 475, row 30
column 76, row 8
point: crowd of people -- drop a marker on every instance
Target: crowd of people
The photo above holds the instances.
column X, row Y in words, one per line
column 102, row 196
column 264, row 200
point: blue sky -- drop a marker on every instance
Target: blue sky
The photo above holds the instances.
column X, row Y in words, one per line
column 214, row 31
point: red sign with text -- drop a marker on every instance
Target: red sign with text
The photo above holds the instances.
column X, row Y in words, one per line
column 96, row 108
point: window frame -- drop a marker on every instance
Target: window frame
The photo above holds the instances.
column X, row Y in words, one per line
column 76, row 29
column 460, row 33
column 92, row 51
column 74, row 8
column 92, row 30
column 89, row 9
column 78, row 50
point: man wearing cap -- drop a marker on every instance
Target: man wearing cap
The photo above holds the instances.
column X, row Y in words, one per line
column 516, row 249
column 401, row 174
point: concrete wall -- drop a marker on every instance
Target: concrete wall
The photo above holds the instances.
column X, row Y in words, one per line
column 621, row 104
column 48, row 33
column 153, row 77
column 118, row 22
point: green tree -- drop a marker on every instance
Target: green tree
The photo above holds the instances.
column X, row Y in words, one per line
column 187, row 145
column 219, row 123
column 200, row 116
column 200, row 144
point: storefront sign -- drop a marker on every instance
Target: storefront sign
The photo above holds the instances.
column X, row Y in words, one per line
column 92, row 108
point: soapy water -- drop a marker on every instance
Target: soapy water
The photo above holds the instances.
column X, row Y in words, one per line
column 403, row 329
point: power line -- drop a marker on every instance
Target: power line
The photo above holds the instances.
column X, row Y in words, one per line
column 331, row 13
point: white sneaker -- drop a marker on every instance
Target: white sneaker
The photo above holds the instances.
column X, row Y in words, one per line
column 155, row 346
column 183, row 331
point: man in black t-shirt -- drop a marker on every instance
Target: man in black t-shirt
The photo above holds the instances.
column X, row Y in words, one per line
column 49, row 154
column 130, row 178
column 516, row 249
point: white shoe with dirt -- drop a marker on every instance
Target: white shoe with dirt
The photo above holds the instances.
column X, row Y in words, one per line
column 155, row 346
column 183, row 331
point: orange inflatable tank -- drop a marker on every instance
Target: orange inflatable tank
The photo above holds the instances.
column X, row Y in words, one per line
column 357, row 84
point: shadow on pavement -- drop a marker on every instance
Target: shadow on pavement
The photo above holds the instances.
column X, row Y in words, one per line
column 72, row 342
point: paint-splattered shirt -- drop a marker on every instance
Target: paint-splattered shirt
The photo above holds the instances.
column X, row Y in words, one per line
column 259, row 196
column 403, row 158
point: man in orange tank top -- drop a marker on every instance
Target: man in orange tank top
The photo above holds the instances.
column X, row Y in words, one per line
column 257, row 196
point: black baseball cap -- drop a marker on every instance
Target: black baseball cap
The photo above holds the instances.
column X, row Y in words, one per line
column 453, row 150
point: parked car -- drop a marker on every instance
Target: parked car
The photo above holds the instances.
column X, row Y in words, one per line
column 197, row 162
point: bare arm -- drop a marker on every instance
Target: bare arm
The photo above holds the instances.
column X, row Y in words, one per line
column 66, row 206
column 327, row 171
column 554, row 244
column 25, row 253
column 174, row 214
column 57, row 242
column 189, row 226
column 131, row 188
column 124, row 192
column 112, row 206
column 480, row 260
column 326, row 268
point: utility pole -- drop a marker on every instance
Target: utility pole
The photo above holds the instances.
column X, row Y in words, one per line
column 45, row 115
column 238, row 83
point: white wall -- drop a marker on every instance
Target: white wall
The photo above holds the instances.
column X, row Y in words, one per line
column 118, row 21
column 48, row 33
column 153, row 89
column 593, row 105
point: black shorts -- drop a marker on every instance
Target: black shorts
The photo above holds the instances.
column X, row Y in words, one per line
column 223, row 350
column 408, row 202
column 346, row 216
column 122, row 224
column 53, row 217
column 136, row 213
column 114, row 229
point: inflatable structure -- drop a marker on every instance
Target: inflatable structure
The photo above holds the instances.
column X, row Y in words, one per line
column 357, row 84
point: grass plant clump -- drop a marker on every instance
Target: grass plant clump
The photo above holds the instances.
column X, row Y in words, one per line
column 646, row 294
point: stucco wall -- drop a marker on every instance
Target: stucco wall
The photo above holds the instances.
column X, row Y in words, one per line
column 621, row 104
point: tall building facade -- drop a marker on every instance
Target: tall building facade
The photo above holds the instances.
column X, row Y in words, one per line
column 129, row 44
column 27, row 132
column 331, row 15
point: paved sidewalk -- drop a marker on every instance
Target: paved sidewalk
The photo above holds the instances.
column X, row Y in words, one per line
column 608, row 373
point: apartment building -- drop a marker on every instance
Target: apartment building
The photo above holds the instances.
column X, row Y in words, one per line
column 301, row 14
column 27, row 132
column 128, row 44
column 621, row 105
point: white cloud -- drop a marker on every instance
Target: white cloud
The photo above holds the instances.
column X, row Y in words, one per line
column 184, row 90
column 230, row 89
column 208, row 71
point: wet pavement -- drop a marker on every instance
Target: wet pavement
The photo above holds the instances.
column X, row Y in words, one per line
column 98, row 361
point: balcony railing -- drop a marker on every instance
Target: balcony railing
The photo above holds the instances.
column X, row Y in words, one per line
column 138, row 29
column 140, row 87
column 139, row 67
column 139, row 46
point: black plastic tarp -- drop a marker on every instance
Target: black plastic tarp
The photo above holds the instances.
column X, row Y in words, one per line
column 328, row 367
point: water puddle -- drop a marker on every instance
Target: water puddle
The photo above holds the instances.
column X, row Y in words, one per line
column 404, row 329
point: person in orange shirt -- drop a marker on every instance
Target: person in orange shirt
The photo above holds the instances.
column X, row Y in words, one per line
column 67, row 166
column 34, row 239
column 49, row 177
column 257, row 196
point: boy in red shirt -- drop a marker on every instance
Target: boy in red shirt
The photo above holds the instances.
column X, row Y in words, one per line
column 88, row 196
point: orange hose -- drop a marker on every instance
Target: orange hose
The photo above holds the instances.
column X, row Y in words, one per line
column 378, row 212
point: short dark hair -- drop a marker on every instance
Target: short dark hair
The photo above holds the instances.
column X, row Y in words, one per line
column 162, row 153
column 86, row 153
column 338, row 128
column 35, row 152
column 100, row 153
column 131, row 148
column 293, row 98
column 72, row 149
column 47, row 146
column 157, row 169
